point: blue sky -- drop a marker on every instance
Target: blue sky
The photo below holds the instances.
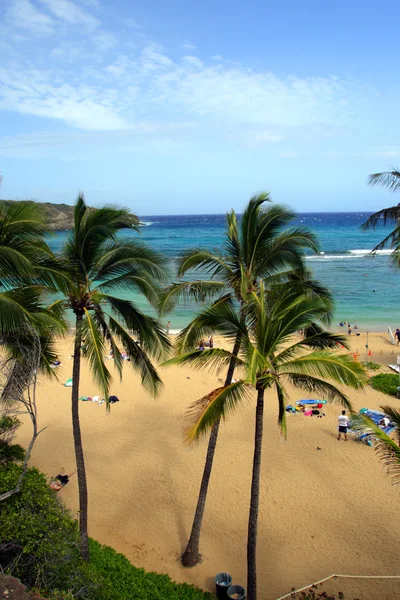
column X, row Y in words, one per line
column 173, row 107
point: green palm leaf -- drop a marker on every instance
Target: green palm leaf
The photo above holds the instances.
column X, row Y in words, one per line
column 203, row 413
column 95, row 351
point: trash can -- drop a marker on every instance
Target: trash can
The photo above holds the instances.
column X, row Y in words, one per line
column 237, row 592
column 222, row 582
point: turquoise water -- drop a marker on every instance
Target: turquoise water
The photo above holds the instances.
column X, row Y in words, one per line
column 342, row 265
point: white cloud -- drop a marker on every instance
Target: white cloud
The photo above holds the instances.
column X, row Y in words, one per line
column 193, row 61
column 23, row 13
column 188, row 46
column 71, row 13
column 131, row 23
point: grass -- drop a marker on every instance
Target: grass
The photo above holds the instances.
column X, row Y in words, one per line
column 386, row 383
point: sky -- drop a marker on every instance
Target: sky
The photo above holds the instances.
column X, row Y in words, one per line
column 189, row 106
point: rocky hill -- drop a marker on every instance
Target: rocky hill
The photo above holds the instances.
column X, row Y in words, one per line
column 58, row 216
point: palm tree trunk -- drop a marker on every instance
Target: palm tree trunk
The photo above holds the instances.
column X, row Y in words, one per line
column 80, row 461
column 254, row 502
column 191, row 555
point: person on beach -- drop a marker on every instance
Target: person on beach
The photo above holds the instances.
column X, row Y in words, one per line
column 397, row 335
column 168, row 326
column 343, row 422
column 349, row 330
column 60, row 481
column 211, row 341
column 385, row 422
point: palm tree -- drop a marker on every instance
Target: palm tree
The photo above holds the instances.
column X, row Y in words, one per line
column 27, row 276
column 386, row 448
column 261, row 246
column 391, row 181
column 272, row 355
column 96, row 263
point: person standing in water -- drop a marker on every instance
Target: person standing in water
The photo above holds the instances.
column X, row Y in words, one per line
column 168, row 326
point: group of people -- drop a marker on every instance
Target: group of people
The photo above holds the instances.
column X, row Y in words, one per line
column 203, row 344
column 343, row 323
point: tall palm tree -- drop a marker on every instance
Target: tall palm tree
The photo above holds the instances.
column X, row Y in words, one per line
column 97, row 263
column 391, row 181
column 262, row 245
column 272, row 356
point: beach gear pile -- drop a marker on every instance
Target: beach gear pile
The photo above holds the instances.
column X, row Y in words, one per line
column 308, row 408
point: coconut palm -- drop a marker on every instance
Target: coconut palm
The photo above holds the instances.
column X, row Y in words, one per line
column 386, row 448
column 27, row 277
column 262, row 245
column 97, row 264
column 272, row 356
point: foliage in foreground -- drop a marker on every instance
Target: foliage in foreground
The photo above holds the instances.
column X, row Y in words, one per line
column 39, row 544
column 386, row 383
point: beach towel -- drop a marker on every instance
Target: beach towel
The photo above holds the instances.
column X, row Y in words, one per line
column 68, row 383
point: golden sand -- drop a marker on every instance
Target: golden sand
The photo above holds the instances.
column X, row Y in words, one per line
column 326, row 506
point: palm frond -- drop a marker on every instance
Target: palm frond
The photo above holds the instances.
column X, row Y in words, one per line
column 153, row 338
column 202, row 414
column 386, row 448
column 388, row 179
column 319, row 387
column 281, row 393
column 200, row 259
column 196, row 291
column 139, row 358
column 220, row 317
column 341, row 368
column 94, row 342
column 212, row 359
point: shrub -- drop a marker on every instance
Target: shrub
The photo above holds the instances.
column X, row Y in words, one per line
column 11, row 453
column 386, row 383
column 371, row 366
column 39, row 539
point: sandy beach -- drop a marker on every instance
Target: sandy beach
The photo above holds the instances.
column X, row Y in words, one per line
column 323, row 511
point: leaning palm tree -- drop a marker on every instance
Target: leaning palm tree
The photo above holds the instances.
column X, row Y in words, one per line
column 272, row 356
column 386, row 448
column 262, row 245
column 96, row 264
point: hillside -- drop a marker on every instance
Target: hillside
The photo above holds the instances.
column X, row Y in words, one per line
column 59, row 216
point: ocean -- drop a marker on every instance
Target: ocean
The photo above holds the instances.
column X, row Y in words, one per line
column 366, row 288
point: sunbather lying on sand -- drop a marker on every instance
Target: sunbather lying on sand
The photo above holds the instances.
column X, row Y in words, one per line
column 60, row 480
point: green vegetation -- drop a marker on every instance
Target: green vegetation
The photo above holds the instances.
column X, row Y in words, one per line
column 39, row 544
column 59, row 217
column 386, row 383
column 371, row 366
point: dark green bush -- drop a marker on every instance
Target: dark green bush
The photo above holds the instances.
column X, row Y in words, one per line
column 386, row 383
column 11, row 453
column 39, row 544
column 39, row 539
